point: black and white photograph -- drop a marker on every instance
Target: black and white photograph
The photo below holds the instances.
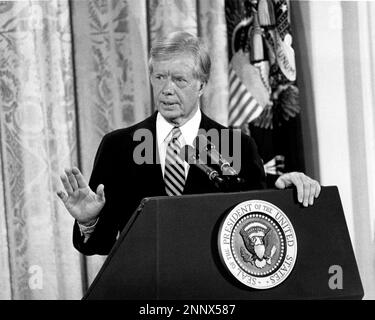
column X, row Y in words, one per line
column 187, row 155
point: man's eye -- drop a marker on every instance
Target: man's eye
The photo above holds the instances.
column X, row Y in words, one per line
column 181, row 80
column 159, row 77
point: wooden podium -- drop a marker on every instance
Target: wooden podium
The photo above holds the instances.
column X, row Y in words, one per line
column 169, row 250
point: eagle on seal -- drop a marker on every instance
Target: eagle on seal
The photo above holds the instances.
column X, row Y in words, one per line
column 260, row 243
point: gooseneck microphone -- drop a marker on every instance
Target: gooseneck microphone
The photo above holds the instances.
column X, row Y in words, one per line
column 189, row 154
column 204, row 146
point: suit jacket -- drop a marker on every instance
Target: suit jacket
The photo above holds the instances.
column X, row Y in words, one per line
column 127, row 183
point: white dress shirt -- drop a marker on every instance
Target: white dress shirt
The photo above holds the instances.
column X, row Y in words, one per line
column 189, row 131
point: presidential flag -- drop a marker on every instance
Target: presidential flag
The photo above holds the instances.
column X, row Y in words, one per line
column 263, row 96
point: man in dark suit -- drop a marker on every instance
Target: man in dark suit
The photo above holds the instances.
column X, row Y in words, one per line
column 179, row 71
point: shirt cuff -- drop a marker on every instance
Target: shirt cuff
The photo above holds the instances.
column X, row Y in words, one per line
column 87, row 230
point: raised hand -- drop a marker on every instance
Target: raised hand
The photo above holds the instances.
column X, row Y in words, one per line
column 307, row 189
column 81, row 202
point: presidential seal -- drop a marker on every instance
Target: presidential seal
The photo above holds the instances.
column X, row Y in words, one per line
column 257, row 244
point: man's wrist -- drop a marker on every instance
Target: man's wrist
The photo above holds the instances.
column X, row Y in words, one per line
column 87, row 228
column 89, row 223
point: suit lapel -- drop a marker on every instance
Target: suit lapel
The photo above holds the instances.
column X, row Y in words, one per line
column 153, row 178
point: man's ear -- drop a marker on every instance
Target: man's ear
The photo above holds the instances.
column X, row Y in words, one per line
column 202, row 87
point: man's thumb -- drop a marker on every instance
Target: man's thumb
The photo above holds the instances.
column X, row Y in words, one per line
column 280, row 184
column 100, row 192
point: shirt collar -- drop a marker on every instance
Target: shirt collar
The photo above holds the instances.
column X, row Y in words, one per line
column 188, row 131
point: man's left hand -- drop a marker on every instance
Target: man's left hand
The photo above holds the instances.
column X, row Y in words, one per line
column 307, row 189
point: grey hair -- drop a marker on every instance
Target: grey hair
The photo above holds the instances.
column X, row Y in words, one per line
column 181, row 42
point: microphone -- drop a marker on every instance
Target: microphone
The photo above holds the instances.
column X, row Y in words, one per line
column 203, row 145
column 188, row 154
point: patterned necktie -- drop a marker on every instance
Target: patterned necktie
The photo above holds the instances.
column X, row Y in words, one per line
column 174, row 173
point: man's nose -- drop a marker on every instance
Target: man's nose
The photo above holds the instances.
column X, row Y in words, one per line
column 169, row 87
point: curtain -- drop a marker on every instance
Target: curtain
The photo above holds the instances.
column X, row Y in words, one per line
column 110, row 51
column 336, row 57
column 37, row 140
